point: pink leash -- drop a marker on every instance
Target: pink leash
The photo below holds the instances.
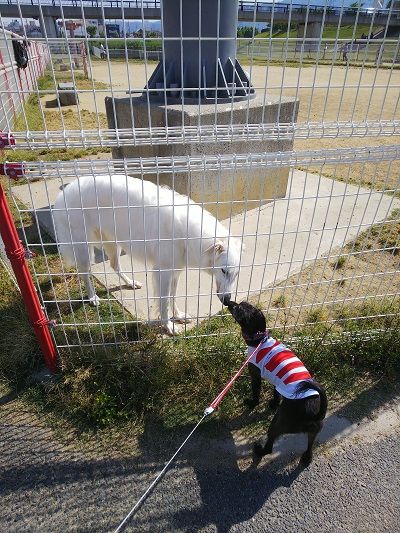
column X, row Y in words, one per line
column 208, row 411
column 218, row 399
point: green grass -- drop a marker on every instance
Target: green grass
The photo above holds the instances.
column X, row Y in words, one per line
column 330, row 32
column 306, row 63
column 49, row 82
column 19, row 353
column 174, row 381
column 55, row 154
column 35, row 118
column 131, row 44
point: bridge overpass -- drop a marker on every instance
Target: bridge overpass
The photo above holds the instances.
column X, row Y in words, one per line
column 48, row 11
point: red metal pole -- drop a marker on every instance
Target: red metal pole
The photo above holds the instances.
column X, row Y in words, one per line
column 16, row 254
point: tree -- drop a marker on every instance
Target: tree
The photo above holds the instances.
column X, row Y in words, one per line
column 91, row 31
column 247, row 31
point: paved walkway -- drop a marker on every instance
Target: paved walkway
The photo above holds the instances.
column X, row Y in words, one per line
column 352, row 485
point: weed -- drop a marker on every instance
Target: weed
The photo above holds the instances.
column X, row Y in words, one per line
column 316, row 315
column 341, row 261
column 280, row 301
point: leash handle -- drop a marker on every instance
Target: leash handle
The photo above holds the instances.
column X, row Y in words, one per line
column 218, row 399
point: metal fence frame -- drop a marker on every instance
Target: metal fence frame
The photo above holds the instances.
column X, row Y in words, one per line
column 370, row 69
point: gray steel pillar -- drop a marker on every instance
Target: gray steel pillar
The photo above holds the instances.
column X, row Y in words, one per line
column 199, row 55
column 48, row 27
column 313, row 35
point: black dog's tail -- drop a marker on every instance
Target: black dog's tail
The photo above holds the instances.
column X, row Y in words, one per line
column 307, row 385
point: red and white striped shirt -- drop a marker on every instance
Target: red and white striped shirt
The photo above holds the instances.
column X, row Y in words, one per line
column 282, row 368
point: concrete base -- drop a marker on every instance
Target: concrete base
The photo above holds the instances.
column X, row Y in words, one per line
column 239, row 187
column 278, row 244
column 67, row 94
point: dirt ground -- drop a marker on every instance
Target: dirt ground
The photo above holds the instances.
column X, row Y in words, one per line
column 370, row 279
column 325, row 93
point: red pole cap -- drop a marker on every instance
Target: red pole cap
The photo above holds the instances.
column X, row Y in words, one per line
column 6, row 139
column 12, row 170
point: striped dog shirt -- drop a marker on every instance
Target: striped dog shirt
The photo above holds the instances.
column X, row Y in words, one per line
column 282, row 368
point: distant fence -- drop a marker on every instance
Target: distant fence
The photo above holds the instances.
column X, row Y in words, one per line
column 113, row 53
column 285, row 49
column 15, row 83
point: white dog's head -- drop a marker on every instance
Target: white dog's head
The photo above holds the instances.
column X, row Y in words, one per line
column 222, row 260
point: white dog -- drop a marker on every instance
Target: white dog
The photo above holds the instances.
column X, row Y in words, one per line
column 166, row 230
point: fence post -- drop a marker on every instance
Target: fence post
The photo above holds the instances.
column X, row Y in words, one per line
column 16, row 254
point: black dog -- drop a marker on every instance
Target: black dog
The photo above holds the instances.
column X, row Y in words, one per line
column 304, row 401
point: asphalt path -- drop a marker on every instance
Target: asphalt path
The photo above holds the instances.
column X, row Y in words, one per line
column 352, row 485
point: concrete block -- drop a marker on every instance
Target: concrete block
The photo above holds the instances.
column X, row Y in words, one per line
column 67, row 94
column 242, row 186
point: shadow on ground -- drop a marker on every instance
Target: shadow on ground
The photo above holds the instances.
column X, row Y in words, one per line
column 232, row 487
column 47, row 478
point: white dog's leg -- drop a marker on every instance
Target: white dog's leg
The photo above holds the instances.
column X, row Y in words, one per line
column 179, row 316
column 93, row 298
column 114, row 253
column 83, row 255
column 162, row 285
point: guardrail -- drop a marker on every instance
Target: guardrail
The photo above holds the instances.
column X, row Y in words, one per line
column 247, row 6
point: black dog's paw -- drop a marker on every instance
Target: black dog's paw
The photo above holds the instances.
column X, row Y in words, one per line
column 250, row 403
column 258, row 450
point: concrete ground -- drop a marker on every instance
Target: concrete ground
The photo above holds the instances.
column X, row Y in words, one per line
column 48, row 485
column 317, row 216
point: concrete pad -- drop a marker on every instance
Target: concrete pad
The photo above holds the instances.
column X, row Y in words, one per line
column 281, row 237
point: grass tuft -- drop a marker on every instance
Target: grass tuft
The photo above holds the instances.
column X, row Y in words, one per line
column 318, row 314
column 339, row 263
column 280, row 301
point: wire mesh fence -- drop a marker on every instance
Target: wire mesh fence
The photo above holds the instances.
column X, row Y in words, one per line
column 278, row 137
